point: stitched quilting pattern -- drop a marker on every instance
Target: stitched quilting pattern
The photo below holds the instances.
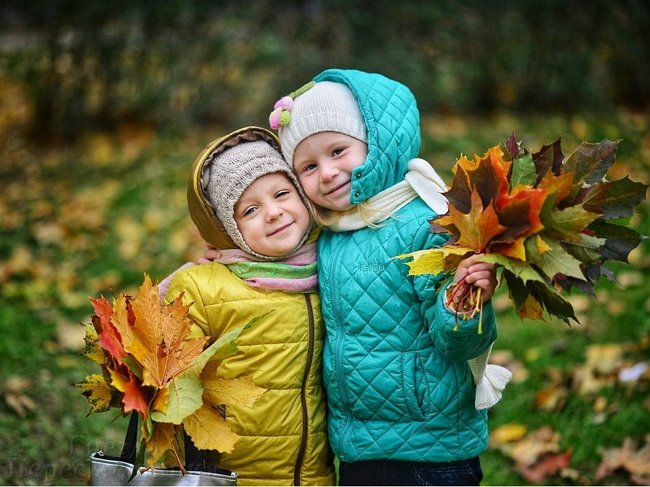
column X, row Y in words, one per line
column 377, row 324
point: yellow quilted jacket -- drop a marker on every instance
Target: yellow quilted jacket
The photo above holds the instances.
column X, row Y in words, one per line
column 283, row 436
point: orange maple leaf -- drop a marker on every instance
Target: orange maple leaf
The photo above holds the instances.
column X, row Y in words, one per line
column 519, row 211
column 158, row 336
column 135, row 397
column 109, row 337
column 479, row 226
column 561, row 185
column 489, row 174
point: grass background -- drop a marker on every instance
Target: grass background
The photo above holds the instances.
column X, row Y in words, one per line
column 91, row 217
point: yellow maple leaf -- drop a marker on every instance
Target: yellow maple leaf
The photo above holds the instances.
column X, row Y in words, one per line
column 541, row 245
column 507, row 433
column 228, row 391
column 93, row 350
column 516, row 249
column 97, row 391
column 531, row 308
column 160, row 443
column 209, row 430
column 161, row 400
column 434, row 261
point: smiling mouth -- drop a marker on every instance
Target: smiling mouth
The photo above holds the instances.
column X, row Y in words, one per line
column 337, row 188
column 282, row 228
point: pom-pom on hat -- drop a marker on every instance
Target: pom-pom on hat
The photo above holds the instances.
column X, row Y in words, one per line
column 316, row 107
column 228, row 173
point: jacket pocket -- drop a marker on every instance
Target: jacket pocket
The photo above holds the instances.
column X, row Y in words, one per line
column 415, row 385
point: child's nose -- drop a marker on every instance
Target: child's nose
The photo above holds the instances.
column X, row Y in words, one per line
column 273, row 212
column 328, row 172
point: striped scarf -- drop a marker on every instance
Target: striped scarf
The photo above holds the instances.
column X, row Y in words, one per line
column 295, row 274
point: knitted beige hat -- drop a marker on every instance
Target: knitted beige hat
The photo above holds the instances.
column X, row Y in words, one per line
column 229, row 171
column 325, row 107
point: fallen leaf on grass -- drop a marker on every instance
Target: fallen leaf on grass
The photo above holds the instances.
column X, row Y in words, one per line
column 628, row 458
column 586, row 382
column 603, row 361
column 528, row 451
column 12, row 391
column 536, row 455
column 507, row 433
column 548, row 464
column 605, row 358
column 551, row 398
column 554, row 396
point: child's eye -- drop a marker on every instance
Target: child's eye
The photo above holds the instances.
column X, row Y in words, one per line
column 281, row 193
column 337, row 151
column 249, row 211
column 309, row 167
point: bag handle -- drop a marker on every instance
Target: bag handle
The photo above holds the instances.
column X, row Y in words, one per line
column 194, row 458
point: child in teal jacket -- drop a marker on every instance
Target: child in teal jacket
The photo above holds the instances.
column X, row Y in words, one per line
column 400, row 376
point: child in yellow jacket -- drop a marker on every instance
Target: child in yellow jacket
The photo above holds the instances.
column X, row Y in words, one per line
column 245, row 200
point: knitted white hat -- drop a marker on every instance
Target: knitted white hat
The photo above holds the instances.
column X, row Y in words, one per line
column 325, row 107
column 228, row 173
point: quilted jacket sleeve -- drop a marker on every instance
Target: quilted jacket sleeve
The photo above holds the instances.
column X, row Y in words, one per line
column 183, row 282
column 463, row 343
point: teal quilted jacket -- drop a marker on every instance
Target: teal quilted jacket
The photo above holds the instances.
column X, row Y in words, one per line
column 397, row 380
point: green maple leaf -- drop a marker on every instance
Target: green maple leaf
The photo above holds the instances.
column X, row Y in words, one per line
column 569, row 222
column 590, row 162
column 526, row 304
column 557, row 261
column 593, row 272
column 614, row 199
column 521, row 270
column 516, row 288
column 586, row 249
column 553, row 302
column 523, row 171
column 619, row 240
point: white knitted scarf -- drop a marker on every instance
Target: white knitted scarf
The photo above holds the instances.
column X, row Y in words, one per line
column 423, row 181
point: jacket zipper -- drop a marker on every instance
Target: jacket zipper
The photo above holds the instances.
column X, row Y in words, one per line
column 303, row 393
column 338, row 368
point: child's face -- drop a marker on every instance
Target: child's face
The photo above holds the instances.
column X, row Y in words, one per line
column 271, row 216
column 324, row 163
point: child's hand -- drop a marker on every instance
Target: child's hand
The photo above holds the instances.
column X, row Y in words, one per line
column 479, row 274
column 211, row 253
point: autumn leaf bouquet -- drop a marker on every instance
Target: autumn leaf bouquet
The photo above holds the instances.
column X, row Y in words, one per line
column 549, row 222
column 151, row 365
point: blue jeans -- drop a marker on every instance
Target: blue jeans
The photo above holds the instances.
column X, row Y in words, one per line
column 395, row 472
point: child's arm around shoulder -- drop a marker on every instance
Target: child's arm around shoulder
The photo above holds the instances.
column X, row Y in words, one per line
column 454, row 337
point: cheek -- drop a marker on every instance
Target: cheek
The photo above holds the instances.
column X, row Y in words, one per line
column 309, row 187
column 248, row 231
